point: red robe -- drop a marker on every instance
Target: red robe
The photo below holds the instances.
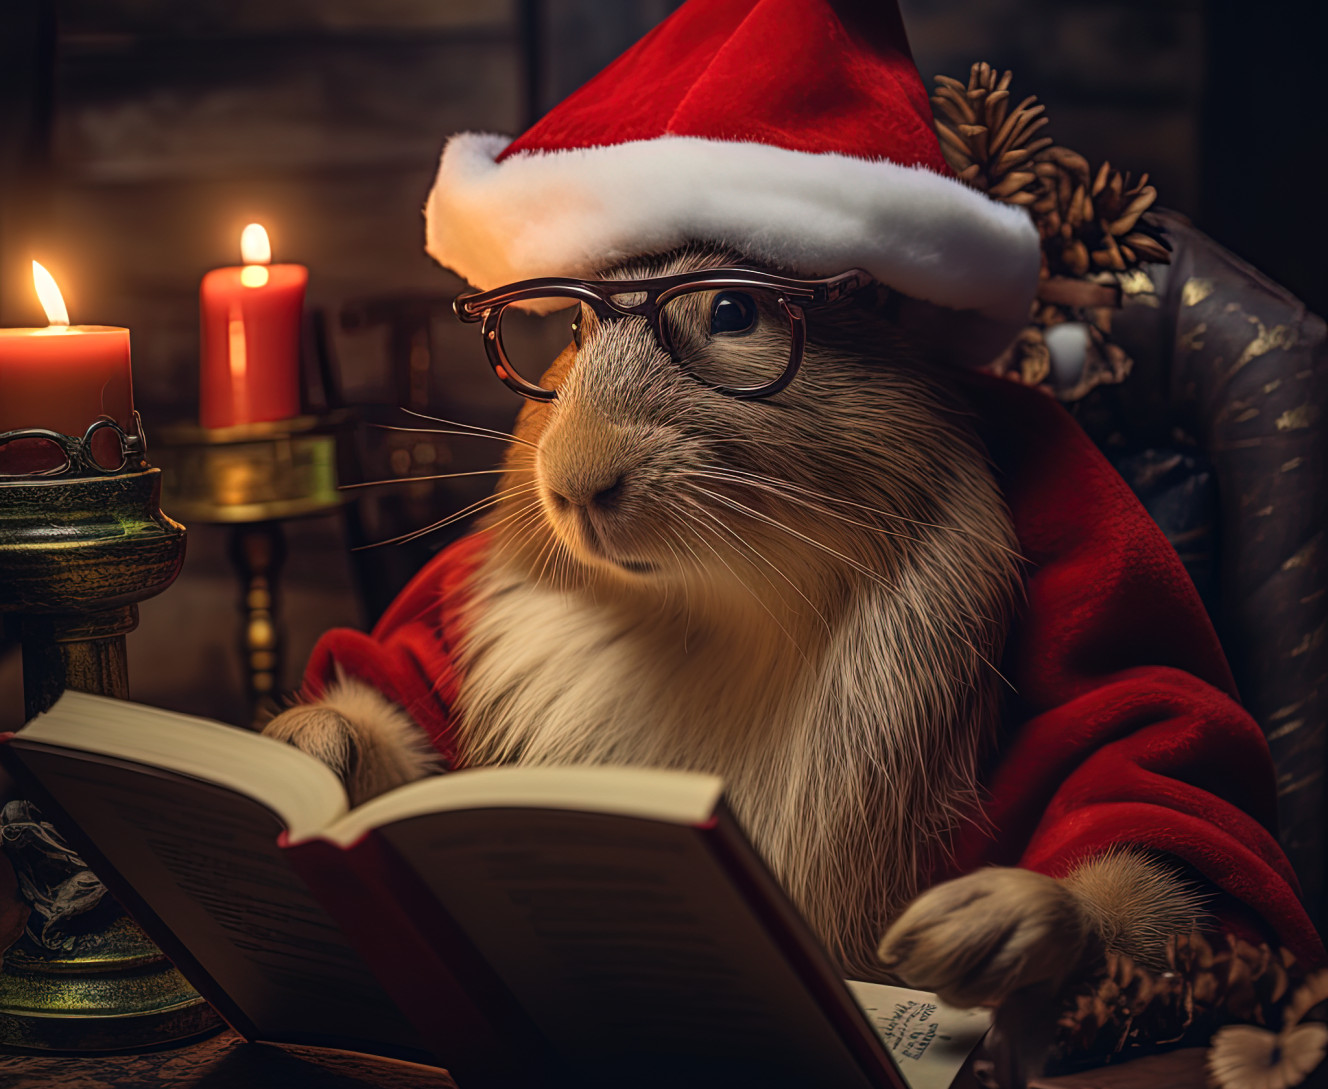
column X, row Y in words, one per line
column 1125, row 726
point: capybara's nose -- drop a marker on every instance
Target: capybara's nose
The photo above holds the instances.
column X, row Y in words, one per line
column 589, row 494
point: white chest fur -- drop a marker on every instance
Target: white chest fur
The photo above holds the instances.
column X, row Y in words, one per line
column 843, row 764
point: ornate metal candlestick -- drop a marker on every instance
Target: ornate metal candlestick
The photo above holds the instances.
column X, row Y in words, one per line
column 253, row 477
column 80, row 545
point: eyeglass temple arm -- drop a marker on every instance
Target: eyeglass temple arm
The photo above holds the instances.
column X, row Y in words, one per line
column 463, row 311
column 846, row 284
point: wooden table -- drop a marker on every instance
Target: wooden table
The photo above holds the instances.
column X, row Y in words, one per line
column 225, row 1061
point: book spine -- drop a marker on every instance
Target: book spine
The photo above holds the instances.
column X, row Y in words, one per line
column 801, row 948
column 124, row 894
column 425, row 962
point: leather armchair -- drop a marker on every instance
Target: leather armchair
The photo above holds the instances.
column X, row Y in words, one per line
column 1220, row 431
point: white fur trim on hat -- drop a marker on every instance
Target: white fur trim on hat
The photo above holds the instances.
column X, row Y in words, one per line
column 572, row 212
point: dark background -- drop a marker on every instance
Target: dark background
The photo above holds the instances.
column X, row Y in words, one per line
column 138, row 136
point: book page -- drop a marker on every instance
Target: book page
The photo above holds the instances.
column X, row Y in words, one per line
column 206, row 862
column 929, row 1040
column 301, row 790
column 677, row 797
column 629, row 946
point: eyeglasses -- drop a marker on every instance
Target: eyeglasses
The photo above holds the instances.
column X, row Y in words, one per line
column 695, row 316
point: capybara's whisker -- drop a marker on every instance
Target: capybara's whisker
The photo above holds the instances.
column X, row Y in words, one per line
column 416, row 479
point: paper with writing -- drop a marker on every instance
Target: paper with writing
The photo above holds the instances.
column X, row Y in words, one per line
column 929, row 1040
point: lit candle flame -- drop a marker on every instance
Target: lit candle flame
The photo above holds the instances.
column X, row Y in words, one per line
column 255, row 249
column 49, row 296
column 255, row 252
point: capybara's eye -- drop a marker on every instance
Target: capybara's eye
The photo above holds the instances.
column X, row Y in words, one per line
column 732, row 314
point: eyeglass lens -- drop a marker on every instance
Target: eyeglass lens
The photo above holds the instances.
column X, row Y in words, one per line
column 727, row 338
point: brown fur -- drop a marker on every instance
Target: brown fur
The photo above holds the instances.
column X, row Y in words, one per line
column 984, row 936
column 362, row 736
column 805, row 595
column 980, row 938
column 1135, row 903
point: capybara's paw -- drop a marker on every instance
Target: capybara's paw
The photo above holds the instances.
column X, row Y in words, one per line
column 370, row 742
column 321, row 732
column 980, row 938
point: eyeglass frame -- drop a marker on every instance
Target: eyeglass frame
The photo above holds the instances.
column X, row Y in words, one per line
column 486, row 308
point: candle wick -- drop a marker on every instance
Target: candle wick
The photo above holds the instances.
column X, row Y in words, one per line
column 254, row 275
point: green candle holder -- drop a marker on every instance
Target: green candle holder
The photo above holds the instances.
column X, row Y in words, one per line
column 81, row 544
column 253, row 478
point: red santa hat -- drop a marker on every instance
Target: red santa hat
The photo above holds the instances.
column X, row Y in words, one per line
column 796, row 132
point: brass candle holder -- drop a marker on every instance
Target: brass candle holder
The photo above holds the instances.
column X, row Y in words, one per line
column 81, row 544
column 253, row 477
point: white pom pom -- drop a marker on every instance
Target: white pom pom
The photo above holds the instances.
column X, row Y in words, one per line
column 1067, row 343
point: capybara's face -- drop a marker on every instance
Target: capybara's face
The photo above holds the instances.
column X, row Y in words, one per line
column 642, row 472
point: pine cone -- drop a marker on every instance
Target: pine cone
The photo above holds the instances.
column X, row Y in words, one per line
column 1092, row 226
column 988, row 145
column 1028, row 359
column 1089, row 222
column 1129, row 1010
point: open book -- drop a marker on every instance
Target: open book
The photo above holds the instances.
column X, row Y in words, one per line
column 523, row 926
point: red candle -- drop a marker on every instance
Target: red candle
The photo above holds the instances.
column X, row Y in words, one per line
column 61, row 378
column 251, row 337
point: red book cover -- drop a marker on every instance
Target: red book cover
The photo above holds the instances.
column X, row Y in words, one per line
column 424, row 961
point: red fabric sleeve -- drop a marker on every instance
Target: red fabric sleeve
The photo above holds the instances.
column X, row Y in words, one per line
column 1124, row 726
column 409, row 654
